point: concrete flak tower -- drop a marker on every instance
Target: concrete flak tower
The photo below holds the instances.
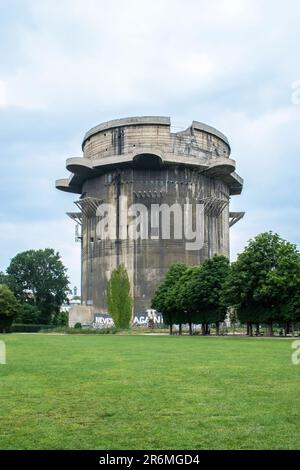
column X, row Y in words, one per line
column 140, row 161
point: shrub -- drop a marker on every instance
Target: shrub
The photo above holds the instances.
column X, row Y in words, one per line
column 30, row 328
column 60, row 319
column 28, row 314
column 88, row 331
column 78, row 325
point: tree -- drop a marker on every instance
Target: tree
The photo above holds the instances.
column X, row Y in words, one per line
column 164, row 296
column 119, row 300
column 290, row 311
column 212, row 306
column 60, row 319
column 4, row 278
column 182, row 296
column 39, row 277
column 263, row 280
column 233, row 317
column 200, row 293
column 8, row 307
column 282, row 284
column 27, row 314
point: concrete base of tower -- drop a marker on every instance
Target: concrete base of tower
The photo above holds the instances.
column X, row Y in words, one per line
column 80, row 314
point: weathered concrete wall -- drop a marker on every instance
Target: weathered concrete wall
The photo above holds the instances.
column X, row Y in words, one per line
column 148, row 260
column 126, row 138
column 81, row 314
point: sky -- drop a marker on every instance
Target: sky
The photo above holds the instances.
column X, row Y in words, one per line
column 67, row 65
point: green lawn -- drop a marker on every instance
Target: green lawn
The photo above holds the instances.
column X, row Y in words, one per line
column 148, row 392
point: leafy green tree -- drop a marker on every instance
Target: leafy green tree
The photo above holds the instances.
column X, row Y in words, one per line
column 182, row 296
column 60, row 319
column 282, row 284
column 119, row 300
column 212, row 306
column 164, row 301
column 263, row 280
column 4, row 278
column 27, row 314
column 233, row 317
column 39, row 277
column 200, row 292
column 290, row 311
column 8, row 307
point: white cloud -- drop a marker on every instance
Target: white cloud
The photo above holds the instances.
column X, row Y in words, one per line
column 113, row 52
column 262, row 131
column 3, row 97
column 262, row 220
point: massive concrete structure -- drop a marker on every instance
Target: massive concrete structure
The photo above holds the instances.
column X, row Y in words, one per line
column 139, row 157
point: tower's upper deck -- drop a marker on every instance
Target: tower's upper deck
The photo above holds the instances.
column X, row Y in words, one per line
column 122, row 142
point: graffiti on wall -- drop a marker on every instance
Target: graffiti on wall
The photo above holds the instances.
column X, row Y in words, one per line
column 104, row 320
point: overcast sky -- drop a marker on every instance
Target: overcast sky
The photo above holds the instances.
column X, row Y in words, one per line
column 67, row 65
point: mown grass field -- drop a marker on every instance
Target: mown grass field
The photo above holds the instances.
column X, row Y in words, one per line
column 148, row 392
